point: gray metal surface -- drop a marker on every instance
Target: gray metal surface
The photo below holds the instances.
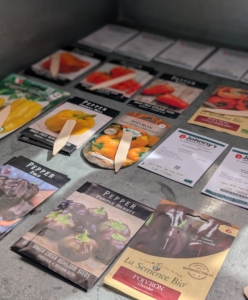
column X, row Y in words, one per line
column 22, row 279
column 222, row 21
column 29, row 29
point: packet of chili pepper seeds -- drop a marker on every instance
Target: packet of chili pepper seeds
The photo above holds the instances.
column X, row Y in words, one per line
column 147, row 130
column 113, row 69
column 89, row 117
column 176, row 255
column 168, row 95
column 73, row 63
column 82, row 236
column 24, row 184
column 27, row 100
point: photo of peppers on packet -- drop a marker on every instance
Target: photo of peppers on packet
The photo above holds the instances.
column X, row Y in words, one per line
column 27, row 99
column 24, row 184
column 147, row 131
column 89, row 117
column 84, row 234
column 176, row 255
column 114, row 69
column 226, row 110
column 73, row 63
column 168, row 95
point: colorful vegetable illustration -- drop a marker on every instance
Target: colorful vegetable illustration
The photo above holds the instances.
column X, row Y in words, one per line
column 233, row 93
column 172, row 101
column 158, row 90
column 106, row 146
column 120, row 71
column 77, row 247
column 222, row 103
column 136, row 153
column 242, row 104
column 2, row 101
column 21, row 112
column 84, row 121
column 68, row 63
column 98, row 77
column 97, row 215
column 112, row 226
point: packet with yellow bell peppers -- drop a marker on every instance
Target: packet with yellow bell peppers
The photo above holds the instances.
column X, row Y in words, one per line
column 27, row 99
column 89, row 117
column 147, row 130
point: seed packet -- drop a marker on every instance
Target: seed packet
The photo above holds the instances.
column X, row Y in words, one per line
column 27, row 99
column 147, row 130
column 73, row 63
column 114, row 69
column 109, row 37
column 89, row 116
column 226, row 110
column 168, row 95
column 24, row 184
column 176, row 255
column 84, row 234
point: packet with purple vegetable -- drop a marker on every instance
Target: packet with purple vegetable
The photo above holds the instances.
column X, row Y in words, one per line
column 83, row 235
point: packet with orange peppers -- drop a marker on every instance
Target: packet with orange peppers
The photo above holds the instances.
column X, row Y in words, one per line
column 147, row 130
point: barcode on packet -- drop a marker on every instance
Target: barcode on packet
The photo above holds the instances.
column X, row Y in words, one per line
column 177, row 167
column 234, row 194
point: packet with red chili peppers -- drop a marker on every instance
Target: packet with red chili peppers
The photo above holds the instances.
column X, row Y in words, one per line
column 175, row 256
column 168, row 95
column 82, row 236
column 114, row 69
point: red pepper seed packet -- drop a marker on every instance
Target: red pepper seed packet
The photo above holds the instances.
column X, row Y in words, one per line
column 147, row 131
column 168, row 95
column 114, row 69
column 24, row 184
column 175, row 256
column 84, row 234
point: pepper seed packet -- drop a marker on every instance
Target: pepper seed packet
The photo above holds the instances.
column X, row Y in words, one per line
column 73, row 63
column 27, row 100
column 176, row 255
column 89, row 117
column 113, row 69
column 147, row 130
column 168, row 95
column 24, row 184
column 82, row 236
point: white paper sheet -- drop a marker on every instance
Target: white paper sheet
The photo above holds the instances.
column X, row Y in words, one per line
column 145, row 46
column 226, row 63
column 230, row 181
column 185, row 54
column 108, row 38
column 184, row 156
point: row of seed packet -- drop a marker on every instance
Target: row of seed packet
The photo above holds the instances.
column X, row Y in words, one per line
column 82, row 236
column 24, row 184
column 176, row 255
column 73, row 63
column 27, row 99
column 89, row 117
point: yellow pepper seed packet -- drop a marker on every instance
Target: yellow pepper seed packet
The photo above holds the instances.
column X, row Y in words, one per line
column 89, row 117
column 27, row 99
column 147, row 130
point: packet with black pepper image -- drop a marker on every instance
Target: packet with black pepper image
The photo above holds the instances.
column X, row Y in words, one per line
column 24, row 184
column 175, row 256
column 84, row 234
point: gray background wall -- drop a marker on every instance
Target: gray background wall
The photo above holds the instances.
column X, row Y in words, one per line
column 220, row 21
column 30, row 29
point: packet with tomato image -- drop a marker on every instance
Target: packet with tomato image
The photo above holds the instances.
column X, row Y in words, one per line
column 226, row 110
column 73, row 63
column 147, row 130
column 176, row 255
column 114, row 69
column 168, row 95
